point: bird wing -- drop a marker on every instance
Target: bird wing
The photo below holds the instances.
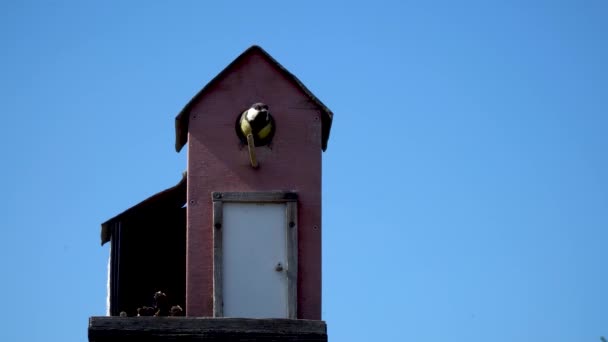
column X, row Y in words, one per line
column 245, row 125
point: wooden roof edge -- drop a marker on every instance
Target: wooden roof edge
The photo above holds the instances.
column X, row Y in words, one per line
column 174, row 191
column 182, row 119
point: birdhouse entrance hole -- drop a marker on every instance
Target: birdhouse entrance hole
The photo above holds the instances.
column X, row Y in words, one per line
column 255, row 254
column 259, row 140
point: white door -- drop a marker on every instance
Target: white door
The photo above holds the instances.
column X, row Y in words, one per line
column 254, row 260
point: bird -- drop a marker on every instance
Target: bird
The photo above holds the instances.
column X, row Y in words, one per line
column 161, row 304
column 145, row 311
column 255, row 127
column 176, row 310
column 257, row 121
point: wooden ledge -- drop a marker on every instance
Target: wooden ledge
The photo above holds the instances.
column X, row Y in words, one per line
column 112, row 328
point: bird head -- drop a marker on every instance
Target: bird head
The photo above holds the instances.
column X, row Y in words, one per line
column 256, row 110
column 160, row 297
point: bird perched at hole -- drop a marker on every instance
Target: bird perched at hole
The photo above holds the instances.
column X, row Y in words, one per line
column 255, row 127
column 256, row 121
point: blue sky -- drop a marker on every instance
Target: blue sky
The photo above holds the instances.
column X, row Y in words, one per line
column 465, row 183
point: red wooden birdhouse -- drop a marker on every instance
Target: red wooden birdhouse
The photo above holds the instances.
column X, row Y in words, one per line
column 242, row 231
column 254, row 222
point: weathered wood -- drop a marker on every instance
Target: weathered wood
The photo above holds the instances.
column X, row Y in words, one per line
column 292, row 257
column 255, row 196
column 103, row 329
column 218, row 296
column 114, row 275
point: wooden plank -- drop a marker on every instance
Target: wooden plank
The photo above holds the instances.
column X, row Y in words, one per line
column 292, row 258
column 103, row 329
column 115, row 249
column 218, row 297
column 256, row 196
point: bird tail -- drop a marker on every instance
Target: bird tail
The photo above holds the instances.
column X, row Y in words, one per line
column 251, row 147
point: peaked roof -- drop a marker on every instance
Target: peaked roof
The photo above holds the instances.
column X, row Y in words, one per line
column 174, row 197
column 183, row 118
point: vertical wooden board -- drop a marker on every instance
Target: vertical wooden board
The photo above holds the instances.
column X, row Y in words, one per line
column 218, row 297
column 292, row 257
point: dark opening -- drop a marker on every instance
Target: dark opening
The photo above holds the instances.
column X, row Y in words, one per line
column 149, row 253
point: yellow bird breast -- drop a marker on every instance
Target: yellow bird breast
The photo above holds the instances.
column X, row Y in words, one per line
column 265, row 131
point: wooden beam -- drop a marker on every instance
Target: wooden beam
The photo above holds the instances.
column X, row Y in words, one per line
column 218, row 295
column 292, row 257
column 103, row 329
column 255, row 196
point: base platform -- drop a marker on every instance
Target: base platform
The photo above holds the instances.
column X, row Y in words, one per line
column 112, row 328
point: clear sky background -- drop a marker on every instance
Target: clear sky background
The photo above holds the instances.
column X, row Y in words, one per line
column 465, row 184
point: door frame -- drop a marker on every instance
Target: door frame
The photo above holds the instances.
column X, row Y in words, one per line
column 291, row 225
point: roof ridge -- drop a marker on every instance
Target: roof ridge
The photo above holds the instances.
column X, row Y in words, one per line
column 183, row 117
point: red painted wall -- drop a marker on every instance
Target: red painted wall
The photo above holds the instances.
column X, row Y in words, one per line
column 216, row 163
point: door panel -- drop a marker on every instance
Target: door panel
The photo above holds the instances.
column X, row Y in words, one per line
column 254, row 260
